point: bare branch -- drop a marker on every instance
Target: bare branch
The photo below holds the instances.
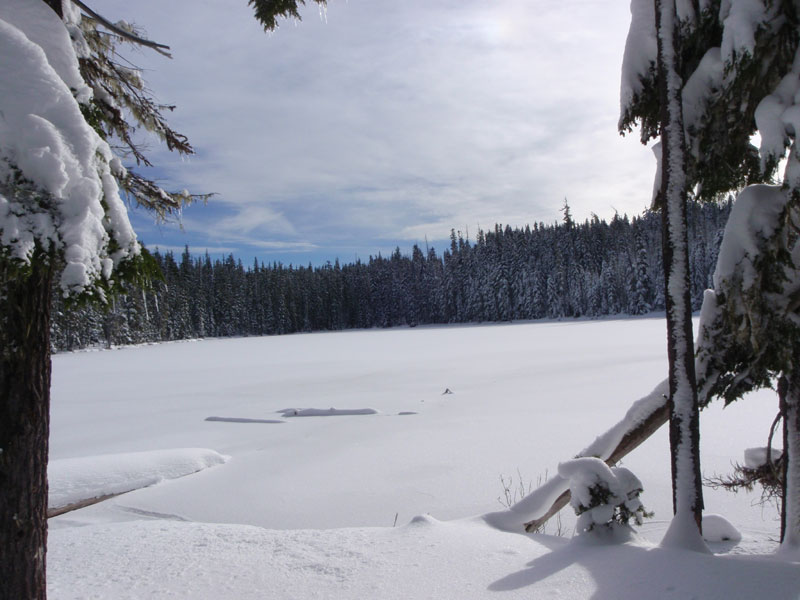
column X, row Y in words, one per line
column 160, row 48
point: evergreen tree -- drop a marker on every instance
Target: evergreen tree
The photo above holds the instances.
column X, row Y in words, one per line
column 723, row 78
column 641, row 285
column 653, row 96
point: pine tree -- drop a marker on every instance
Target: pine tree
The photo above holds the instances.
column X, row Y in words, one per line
column 733, row 75
column 641, row 286
column 653, row 95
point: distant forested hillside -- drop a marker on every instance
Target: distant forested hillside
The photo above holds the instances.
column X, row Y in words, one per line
column 565, row 269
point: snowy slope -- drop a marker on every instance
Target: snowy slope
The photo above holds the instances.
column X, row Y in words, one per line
column 424, row 559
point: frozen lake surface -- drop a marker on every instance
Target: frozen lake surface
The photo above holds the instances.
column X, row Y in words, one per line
column 380, row 442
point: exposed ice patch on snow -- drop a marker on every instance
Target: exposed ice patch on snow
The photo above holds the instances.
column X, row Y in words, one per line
column 717, row 528
column 405, row 413
column 72, row 480
column 242, row 420
column 326, row 412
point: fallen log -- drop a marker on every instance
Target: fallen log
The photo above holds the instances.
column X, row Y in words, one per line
column 60, row 510
column 643, row 418
column 630, row 440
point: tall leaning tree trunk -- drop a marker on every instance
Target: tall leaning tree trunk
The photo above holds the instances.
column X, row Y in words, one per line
column 790, row 508
column 684, row 431
column 24, row 425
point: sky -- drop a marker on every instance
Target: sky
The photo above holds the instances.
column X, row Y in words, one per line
column 381, row 123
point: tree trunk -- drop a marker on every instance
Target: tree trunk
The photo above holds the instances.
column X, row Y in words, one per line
column 687, row 492
column 24, row 425
column 790, row 508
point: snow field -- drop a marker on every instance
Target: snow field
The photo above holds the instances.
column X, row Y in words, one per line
column 423, row 559
column 525, row 396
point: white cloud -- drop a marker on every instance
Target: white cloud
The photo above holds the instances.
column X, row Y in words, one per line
column 395, row 120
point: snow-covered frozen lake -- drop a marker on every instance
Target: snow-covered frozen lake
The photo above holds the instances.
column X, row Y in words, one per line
column 524, row 397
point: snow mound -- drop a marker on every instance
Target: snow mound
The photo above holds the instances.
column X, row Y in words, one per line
column 429, row 559
column 757, row 457
column 423, row 520
column 717, row 528
column 76, row 479
column 242, row 420
column 326, row 412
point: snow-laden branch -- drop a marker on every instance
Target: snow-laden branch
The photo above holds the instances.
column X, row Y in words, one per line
column 57, row 184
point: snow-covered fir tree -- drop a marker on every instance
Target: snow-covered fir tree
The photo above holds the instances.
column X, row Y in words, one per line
column 735, row 75
column 361, row 294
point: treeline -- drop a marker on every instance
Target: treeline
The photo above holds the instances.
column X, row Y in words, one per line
column 566, row 269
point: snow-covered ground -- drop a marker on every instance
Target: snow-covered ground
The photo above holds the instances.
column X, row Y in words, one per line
column 372, row 494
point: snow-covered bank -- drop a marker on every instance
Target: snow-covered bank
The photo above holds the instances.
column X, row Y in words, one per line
column 72, row 480
column 423, row 559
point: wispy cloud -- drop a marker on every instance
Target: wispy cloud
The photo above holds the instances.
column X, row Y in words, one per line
column 394, row 121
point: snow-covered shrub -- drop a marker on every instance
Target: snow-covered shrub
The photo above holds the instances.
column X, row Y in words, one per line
column 601, row 495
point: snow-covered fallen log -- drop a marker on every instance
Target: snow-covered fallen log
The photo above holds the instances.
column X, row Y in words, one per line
column 643, row 418
column 80, row 481
column 326, row 412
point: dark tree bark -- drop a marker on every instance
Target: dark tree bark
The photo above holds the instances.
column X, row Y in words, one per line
column 24, row 425
column 687, row 493
column 56, row 6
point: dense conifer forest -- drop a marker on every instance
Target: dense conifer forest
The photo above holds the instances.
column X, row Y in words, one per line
column 562, row 270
